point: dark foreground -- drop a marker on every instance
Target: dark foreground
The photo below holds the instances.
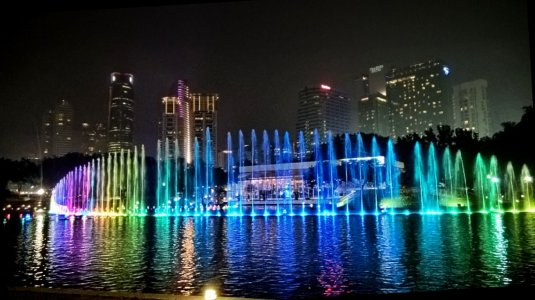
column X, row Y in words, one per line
column 68, row 294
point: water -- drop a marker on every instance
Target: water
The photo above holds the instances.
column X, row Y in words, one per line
column 331, row 176
column 273, row 257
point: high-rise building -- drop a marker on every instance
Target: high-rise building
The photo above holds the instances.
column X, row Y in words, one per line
column 323, row 108
column 470, row 107
column 374, row 115
column 176, row 122
column 121, row 112
column 93, row 138
column 168, row 125
column 204, row 109
column 47, row 133
column 419, row 96
column 373, row 108
column 62, row 128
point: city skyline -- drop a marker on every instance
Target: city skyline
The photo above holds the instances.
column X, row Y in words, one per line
column 256, row 55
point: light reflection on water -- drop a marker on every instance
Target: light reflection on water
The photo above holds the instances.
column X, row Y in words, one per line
column 273, row 257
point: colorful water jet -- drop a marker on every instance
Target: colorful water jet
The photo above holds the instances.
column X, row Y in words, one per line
column 113, row 184
column 320, row 175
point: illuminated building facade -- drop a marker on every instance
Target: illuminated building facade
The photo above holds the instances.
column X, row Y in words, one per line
column 121, row 112
column 93, row 138
column 204, row 109
column 62, row 128
column 176, row 122
column 47, row 133
column 470, row 107
column 323, row 108
column 373, row 107
column 419, row 97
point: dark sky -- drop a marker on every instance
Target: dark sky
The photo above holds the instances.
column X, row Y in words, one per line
column 257, row 55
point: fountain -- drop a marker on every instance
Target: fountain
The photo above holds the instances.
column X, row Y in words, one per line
column 109, row 185
column 279, row 178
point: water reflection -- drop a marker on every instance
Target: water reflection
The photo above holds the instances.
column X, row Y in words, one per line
column 277, row 257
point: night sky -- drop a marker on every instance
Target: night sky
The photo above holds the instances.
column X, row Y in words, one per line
column 256, row 55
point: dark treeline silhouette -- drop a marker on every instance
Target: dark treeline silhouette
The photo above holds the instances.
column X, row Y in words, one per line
column 509, row 145
column 27, row 171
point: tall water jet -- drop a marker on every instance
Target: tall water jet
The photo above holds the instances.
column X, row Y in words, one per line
column 176, row 175
column 392, row 175
column 167, row 187
column 252, row 192
column 347, row 156
column 432, row 179
column 230, row 172
column 141, row 178
column 318, row 170
column 241, row 162
column 510, row 186
column 267, row 161
column 494, row 190
column 419, row 178
column 332, row 163
column 287, row 159
column 158, row 174
column 447, row 174
column 209, row 167
column 377, row 175
column 361, row 170
column 481, row 182
column 460, row 180
column 526, row 184
column 302, row 152
column 115, row 182
column 92, row 188
column 197, row 177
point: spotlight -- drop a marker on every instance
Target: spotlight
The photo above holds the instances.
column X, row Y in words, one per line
column 210, row 294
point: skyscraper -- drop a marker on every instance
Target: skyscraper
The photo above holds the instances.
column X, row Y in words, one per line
column 93, row 138
column 47, row 133
column 419, row 97
column 470, row 107
column 176, row 122
column 121, row 112
column 62, row 128
column 323, row 108
column 373, row 109
column 204, row 108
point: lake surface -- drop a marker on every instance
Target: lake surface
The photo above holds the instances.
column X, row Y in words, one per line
column 272, row 257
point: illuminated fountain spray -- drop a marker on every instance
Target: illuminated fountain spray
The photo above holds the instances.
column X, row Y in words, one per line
column 432, row 180
column 481, row 183
column 252, row 192
column 526, row 182
column 459, row 183
column 288, row 183
column 494, row 189
column 362, row 171
column 267, row 161
column 302, row 152
column 318, row 171
column 347, row 167
column 277, row 178
column 108, row 185
column 392, row 178
column 510, row 186
column 377, row 176
column 419, row 178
